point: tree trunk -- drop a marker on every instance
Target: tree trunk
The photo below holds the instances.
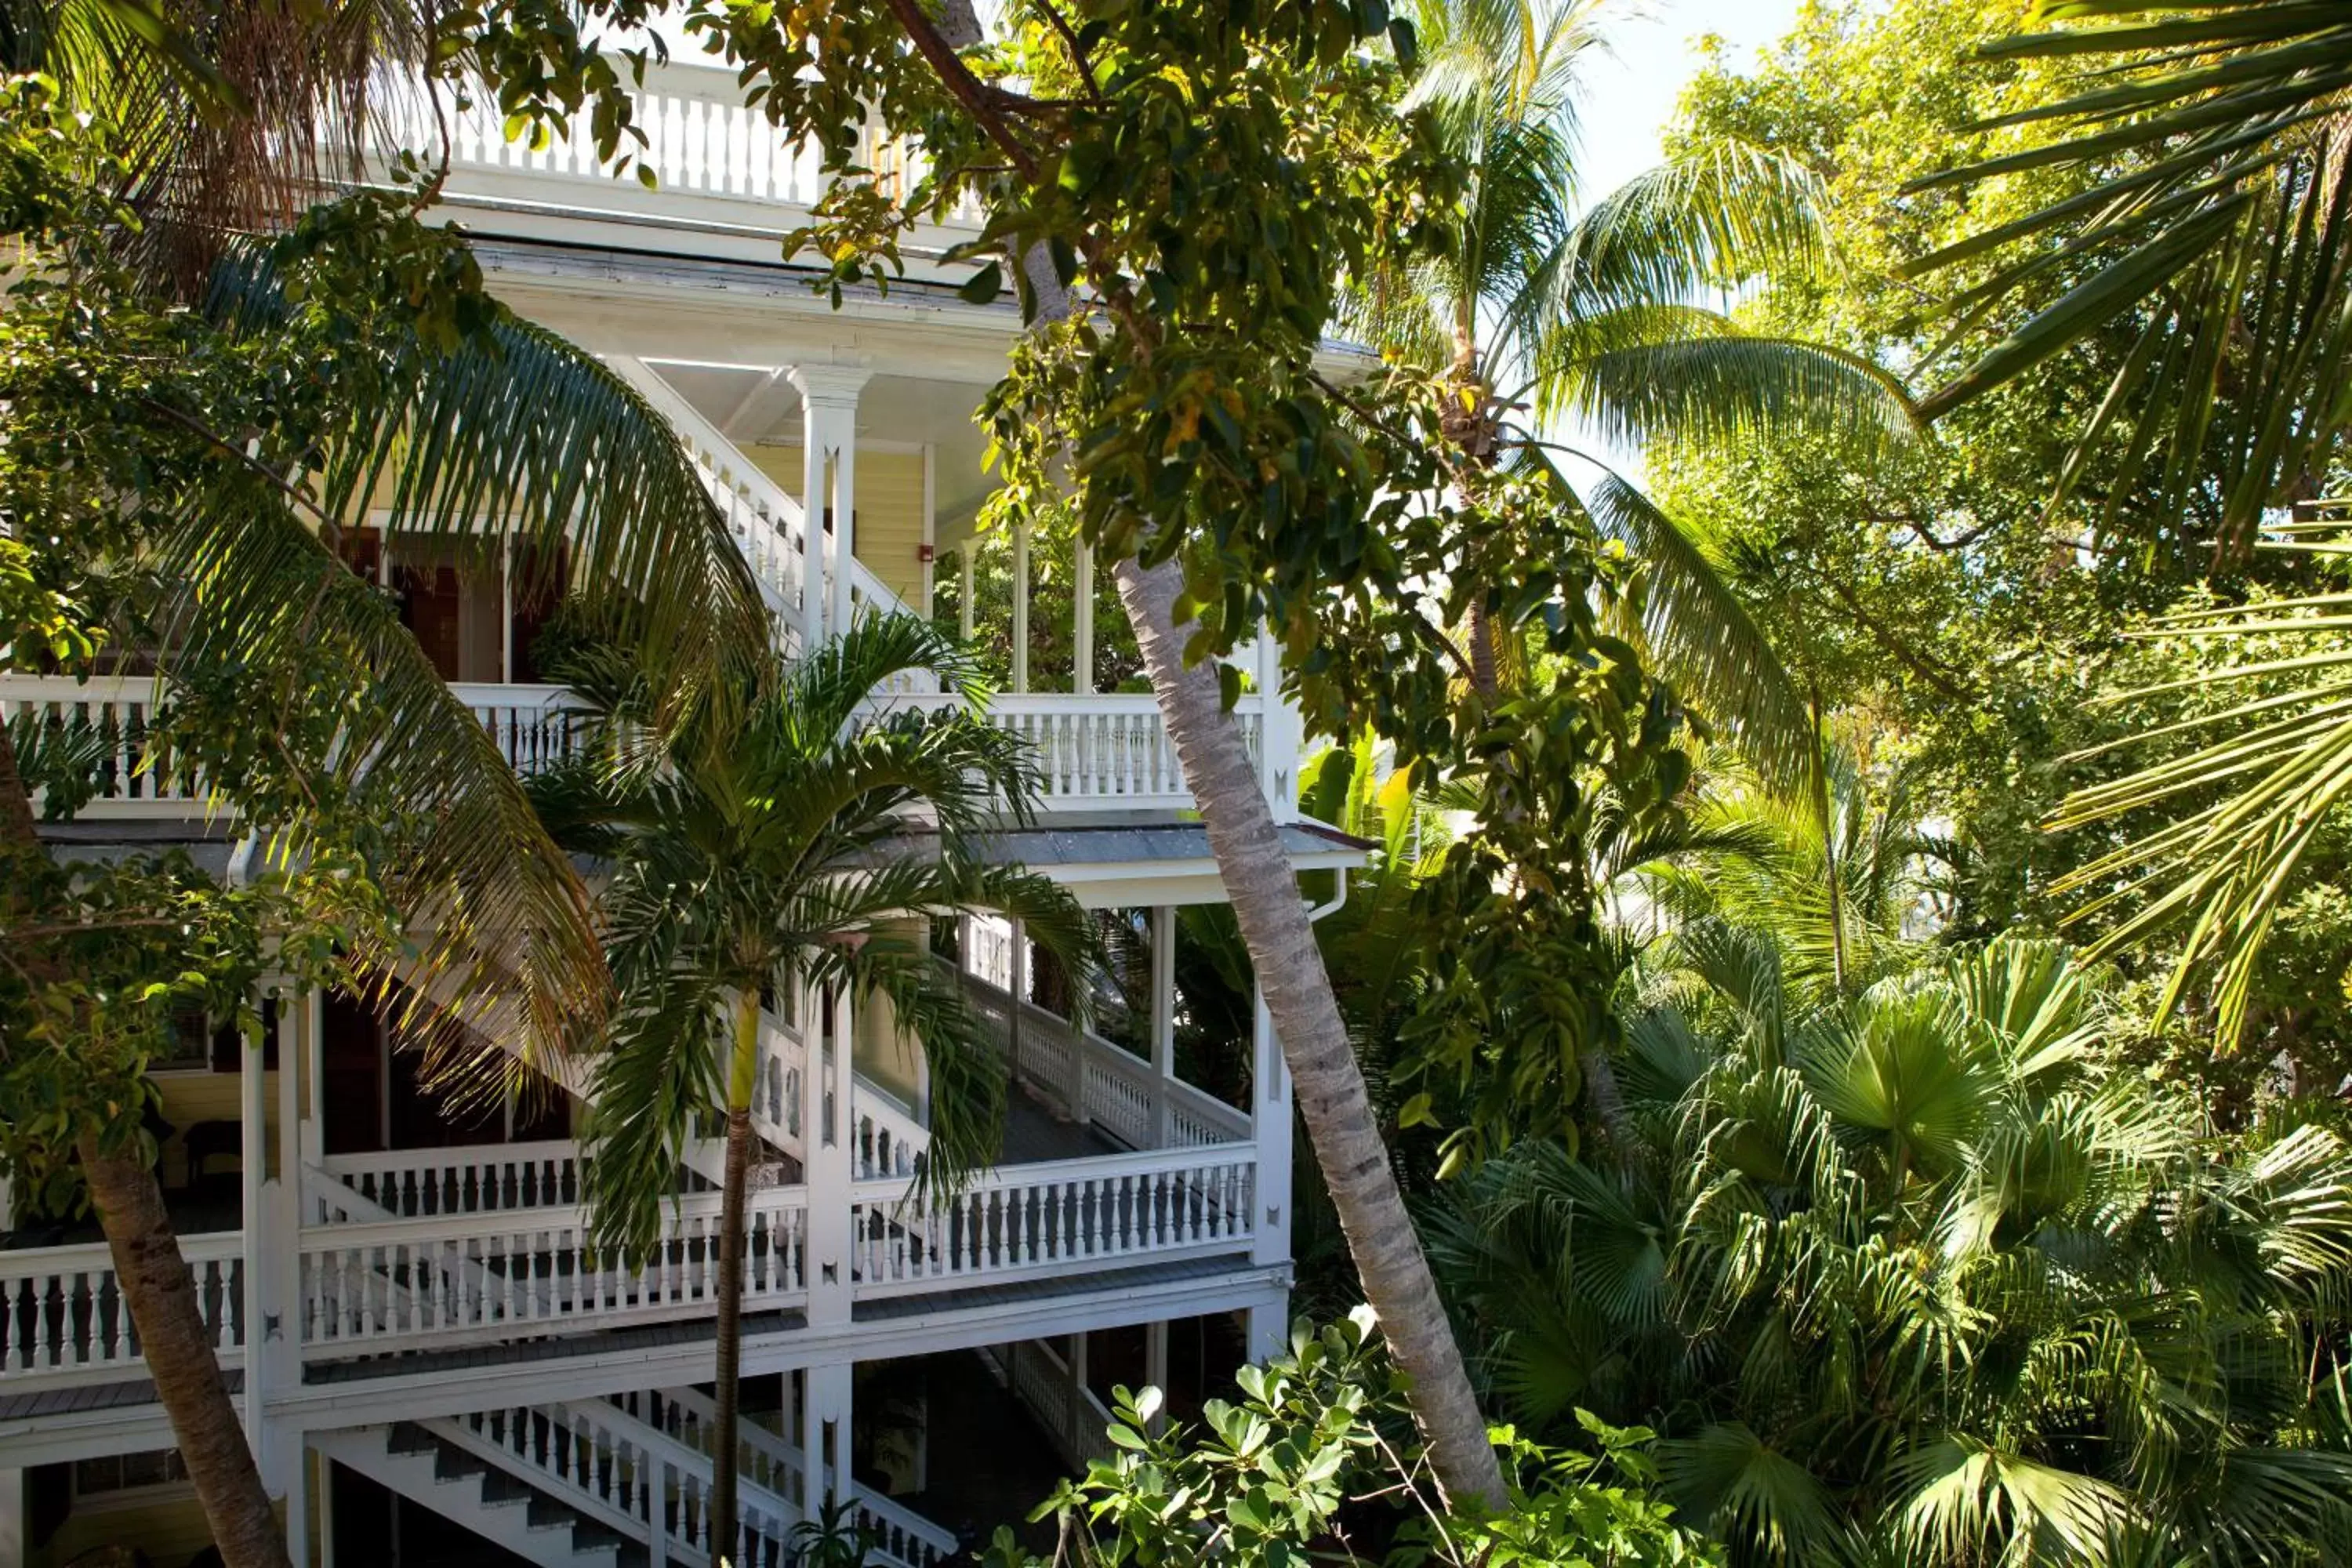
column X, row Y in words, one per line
column 1331, row 1085
column 726, row 1338
column 161, row 1295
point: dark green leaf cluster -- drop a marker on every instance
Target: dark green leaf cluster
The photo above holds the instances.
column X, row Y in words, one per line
column 1315, row 1461
column 1919, row 1275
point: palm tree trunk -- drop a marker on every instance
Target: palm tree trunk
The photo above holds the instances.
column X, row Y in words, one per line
column 728, row 1336
column 1331, row 1096
column 161, row 1295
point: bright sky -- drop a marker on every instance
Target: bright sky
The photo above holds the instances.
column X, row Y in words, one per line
column 1630, row 94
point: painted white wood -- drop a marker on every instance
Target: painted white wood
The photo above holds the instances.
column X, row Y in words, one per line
column 1020, row 609
column 1082, row 673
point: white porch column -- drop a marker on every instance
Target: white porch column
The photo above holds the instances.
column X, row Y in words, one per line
column 828, row 438
column 825, row 1142
column 1269, row 1327
column 297, row 1503
column 1163, row 1018
column 1017, row 989
column 1078, row 1391
column 1281, row 735
column 824, row 1435
column 326, row 1512
column 1021, row 608
column 12, row 1519
column 253, row 1158
column 963, row 599
column 1155, row 1368
column 1082, row 656
column 282, row 1311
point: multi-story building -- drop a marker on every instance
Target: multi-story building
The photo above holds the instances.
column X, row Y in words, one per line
column 419, row 1337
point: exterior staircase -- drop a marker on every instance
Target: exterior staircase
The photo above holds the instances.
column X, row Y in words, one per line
column 618, row 1483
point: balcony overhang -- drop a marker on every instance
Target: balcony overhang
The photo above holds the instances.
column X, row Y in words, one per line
column 1118, row 859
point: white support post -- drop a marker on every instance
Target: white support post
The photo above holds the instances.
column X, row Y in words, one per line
column 1163, row 1019
column 253, row 1156
column 1021, row 608
column 1280, row 734
column 825, row 1435
column 297, row 1503
column 1155, row 1369
column 12, row 1519
column 314, row 1074
column 930, row 520
column 1075, row 1424
column 1017, row 976
column 824, row 1140
column 1082, row 670
column 281, row 1318
column 963, row 600
column 828, row 443
column 327, row 1513
column 1270, row 1111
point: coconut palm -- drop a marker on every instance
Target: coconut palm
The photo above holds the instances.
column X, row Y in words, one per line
column 462, row 420
column 1915, row 1277
column 1610, row 318
column 793, row 840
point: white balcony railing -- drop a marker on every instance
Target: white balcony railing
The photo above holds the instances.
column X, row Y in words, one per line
column 711, row 157
column 456, row 1280
column 1096, row 1081
column 63, row 1320
column 1108, row 751
column 1068, row 1216
column 1095, row 752
column 408, row 1183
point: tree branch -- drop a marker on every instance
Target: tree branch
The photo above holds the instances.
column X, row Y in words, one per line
column 986, row 105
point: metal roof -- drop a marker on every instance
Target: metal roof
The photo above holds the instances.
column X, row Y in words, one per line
column 1159, row 839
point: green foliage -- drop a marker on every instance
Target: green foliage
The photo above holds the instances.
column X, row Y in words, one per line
column 2211, row 229
column 1920, row 1277
column 194, row 469
column 764, row 846
column 1317, row 1457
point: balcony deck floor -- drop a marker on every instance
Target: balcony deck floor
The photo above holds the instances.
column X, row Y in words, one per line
column 1035, row 1134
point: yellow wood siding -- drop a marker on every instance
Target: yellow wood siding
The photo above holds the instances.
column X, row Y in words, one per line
column 193, row 1097
column 169, row 1528
column 889, row 511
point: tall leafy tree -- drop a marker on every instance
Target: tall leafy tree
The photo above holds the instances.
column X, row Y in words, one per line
column 769, row 846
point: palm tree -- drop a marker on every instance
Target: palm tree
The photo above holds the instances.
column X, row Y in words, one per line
column 2210, row 223
column 1917, row 1277
column 757, row 854
column 473, row 423
column 1610, row 318
column 1838, row 882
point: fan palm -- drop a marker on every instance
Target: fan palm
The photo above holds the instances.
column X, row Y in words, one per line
column 1610, row 318
column 238, row 428
column 2212, row 223
column 1914, row 1277
column 763, row 854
